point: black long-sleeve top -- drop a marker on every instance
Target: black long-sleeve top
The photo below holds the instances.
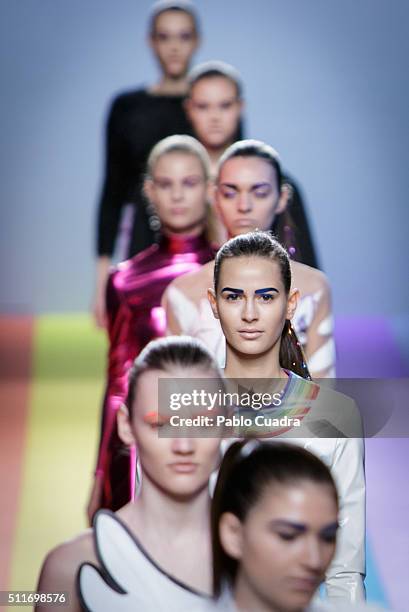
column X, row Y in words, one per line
column 137, row 121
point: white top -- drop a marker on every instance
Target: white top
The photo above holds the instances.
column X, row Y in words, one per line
column 130, row 580
column 331, row 430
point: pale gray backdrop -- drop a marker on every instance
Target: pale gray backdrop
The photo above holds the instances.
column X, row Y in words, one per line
column 326, row 84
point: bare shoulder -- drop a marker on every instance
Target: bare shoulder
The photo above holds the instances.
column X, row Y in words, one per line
column 193, row 282
column 308, row 279
column 59, row 570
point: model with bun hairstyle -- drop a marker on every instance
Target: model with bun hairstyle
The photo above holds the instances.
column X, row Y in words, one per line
column 254, row 302
column 137, row 120
column 249, row 195
column 274, row 523
column 214, row 106
column 150, row 547
column 177, row 186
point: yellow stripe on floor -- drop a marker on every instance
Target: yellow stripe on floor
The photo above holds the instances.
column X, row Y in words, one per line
column 69, row 356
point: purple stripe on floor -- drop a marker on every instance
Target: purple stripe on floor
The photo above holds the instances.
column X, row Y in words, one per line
column 366, row 349
column 387, row 512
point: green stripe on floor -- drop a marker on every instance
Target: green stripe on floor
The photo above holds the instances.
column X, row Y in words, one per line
column 69, row 346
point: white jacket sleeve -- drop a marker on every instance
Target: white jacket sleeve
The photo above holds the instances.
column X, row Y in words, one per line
column 345, row 576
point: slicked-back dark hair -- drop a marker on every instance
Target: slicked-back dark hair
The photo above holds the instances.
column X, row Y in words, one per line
column 253, row 148
column 215, row 68
column 247, row 470
column 165, row 354
column 264, row 245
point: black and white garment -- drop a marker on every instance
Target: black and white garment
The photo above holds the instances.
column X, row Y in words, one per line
column 130, row 579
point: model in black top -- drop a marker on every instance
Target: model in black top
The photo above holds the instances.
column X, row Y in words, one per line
column 214, row 106
column 136, row 122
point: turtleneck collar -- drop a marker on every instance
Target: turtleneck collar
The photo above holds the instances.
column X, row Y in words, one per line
column 173, row 243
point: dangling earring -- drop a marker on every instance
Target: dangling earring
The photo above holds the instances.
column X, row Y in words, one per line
column 289, row 240
column 153, row 219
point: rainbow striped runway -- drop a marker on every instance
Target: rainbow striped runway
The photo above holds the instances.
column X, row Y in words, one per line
column 50, row 393
column 51, row 385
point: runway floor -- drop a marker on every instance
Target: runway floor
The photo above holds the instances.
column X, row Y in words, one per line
column 51, row 385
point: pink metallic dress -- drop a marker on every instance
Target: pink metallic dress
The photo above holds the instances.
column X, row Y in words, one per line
column 135, row 317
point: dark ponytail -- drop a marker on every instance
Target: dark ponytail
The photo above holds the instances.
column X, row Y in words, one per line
column 263, row 244
column 291, row 352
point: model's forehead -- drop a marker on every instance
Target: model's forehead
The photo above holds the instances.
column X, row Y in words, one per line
column 304, row 502
column 147, row 390
column 245, row 170
column 213, row 87
column 238, row 272
column 171, row 20
column 181, row 161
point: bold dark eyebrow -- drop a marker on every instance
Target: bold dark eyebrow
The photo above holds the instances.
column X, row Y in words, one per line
column 329, row 529
column 229, row 185
column 232, row 290
column 283, row 523
column 266, row 290
column 300, row 527
column 255, row 186
column 258, row 185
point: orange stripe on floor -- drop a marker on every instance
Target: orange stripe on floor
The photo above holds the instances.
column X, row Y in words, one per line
column 16, row 337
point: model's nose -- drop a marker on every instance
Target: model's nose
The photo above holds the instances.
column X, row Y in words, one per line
column 249, row 312
column 313, row 557
column 177, row 193
column 244, row 204
column 183, row 446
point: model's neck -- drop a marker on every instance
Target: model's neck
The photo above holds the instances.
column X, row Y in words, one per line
column 266, row 365
column 214, row 154
column 157, row 511
column 188, row 232
column 170, row 87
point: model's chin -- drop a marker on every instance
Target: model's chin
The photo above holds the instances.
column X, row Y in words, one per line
column 215, row 141
column 179, row 224
column 176, row 71
column 298, row 600
column 184, row 488
column 249, row 347
column 238, row 230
